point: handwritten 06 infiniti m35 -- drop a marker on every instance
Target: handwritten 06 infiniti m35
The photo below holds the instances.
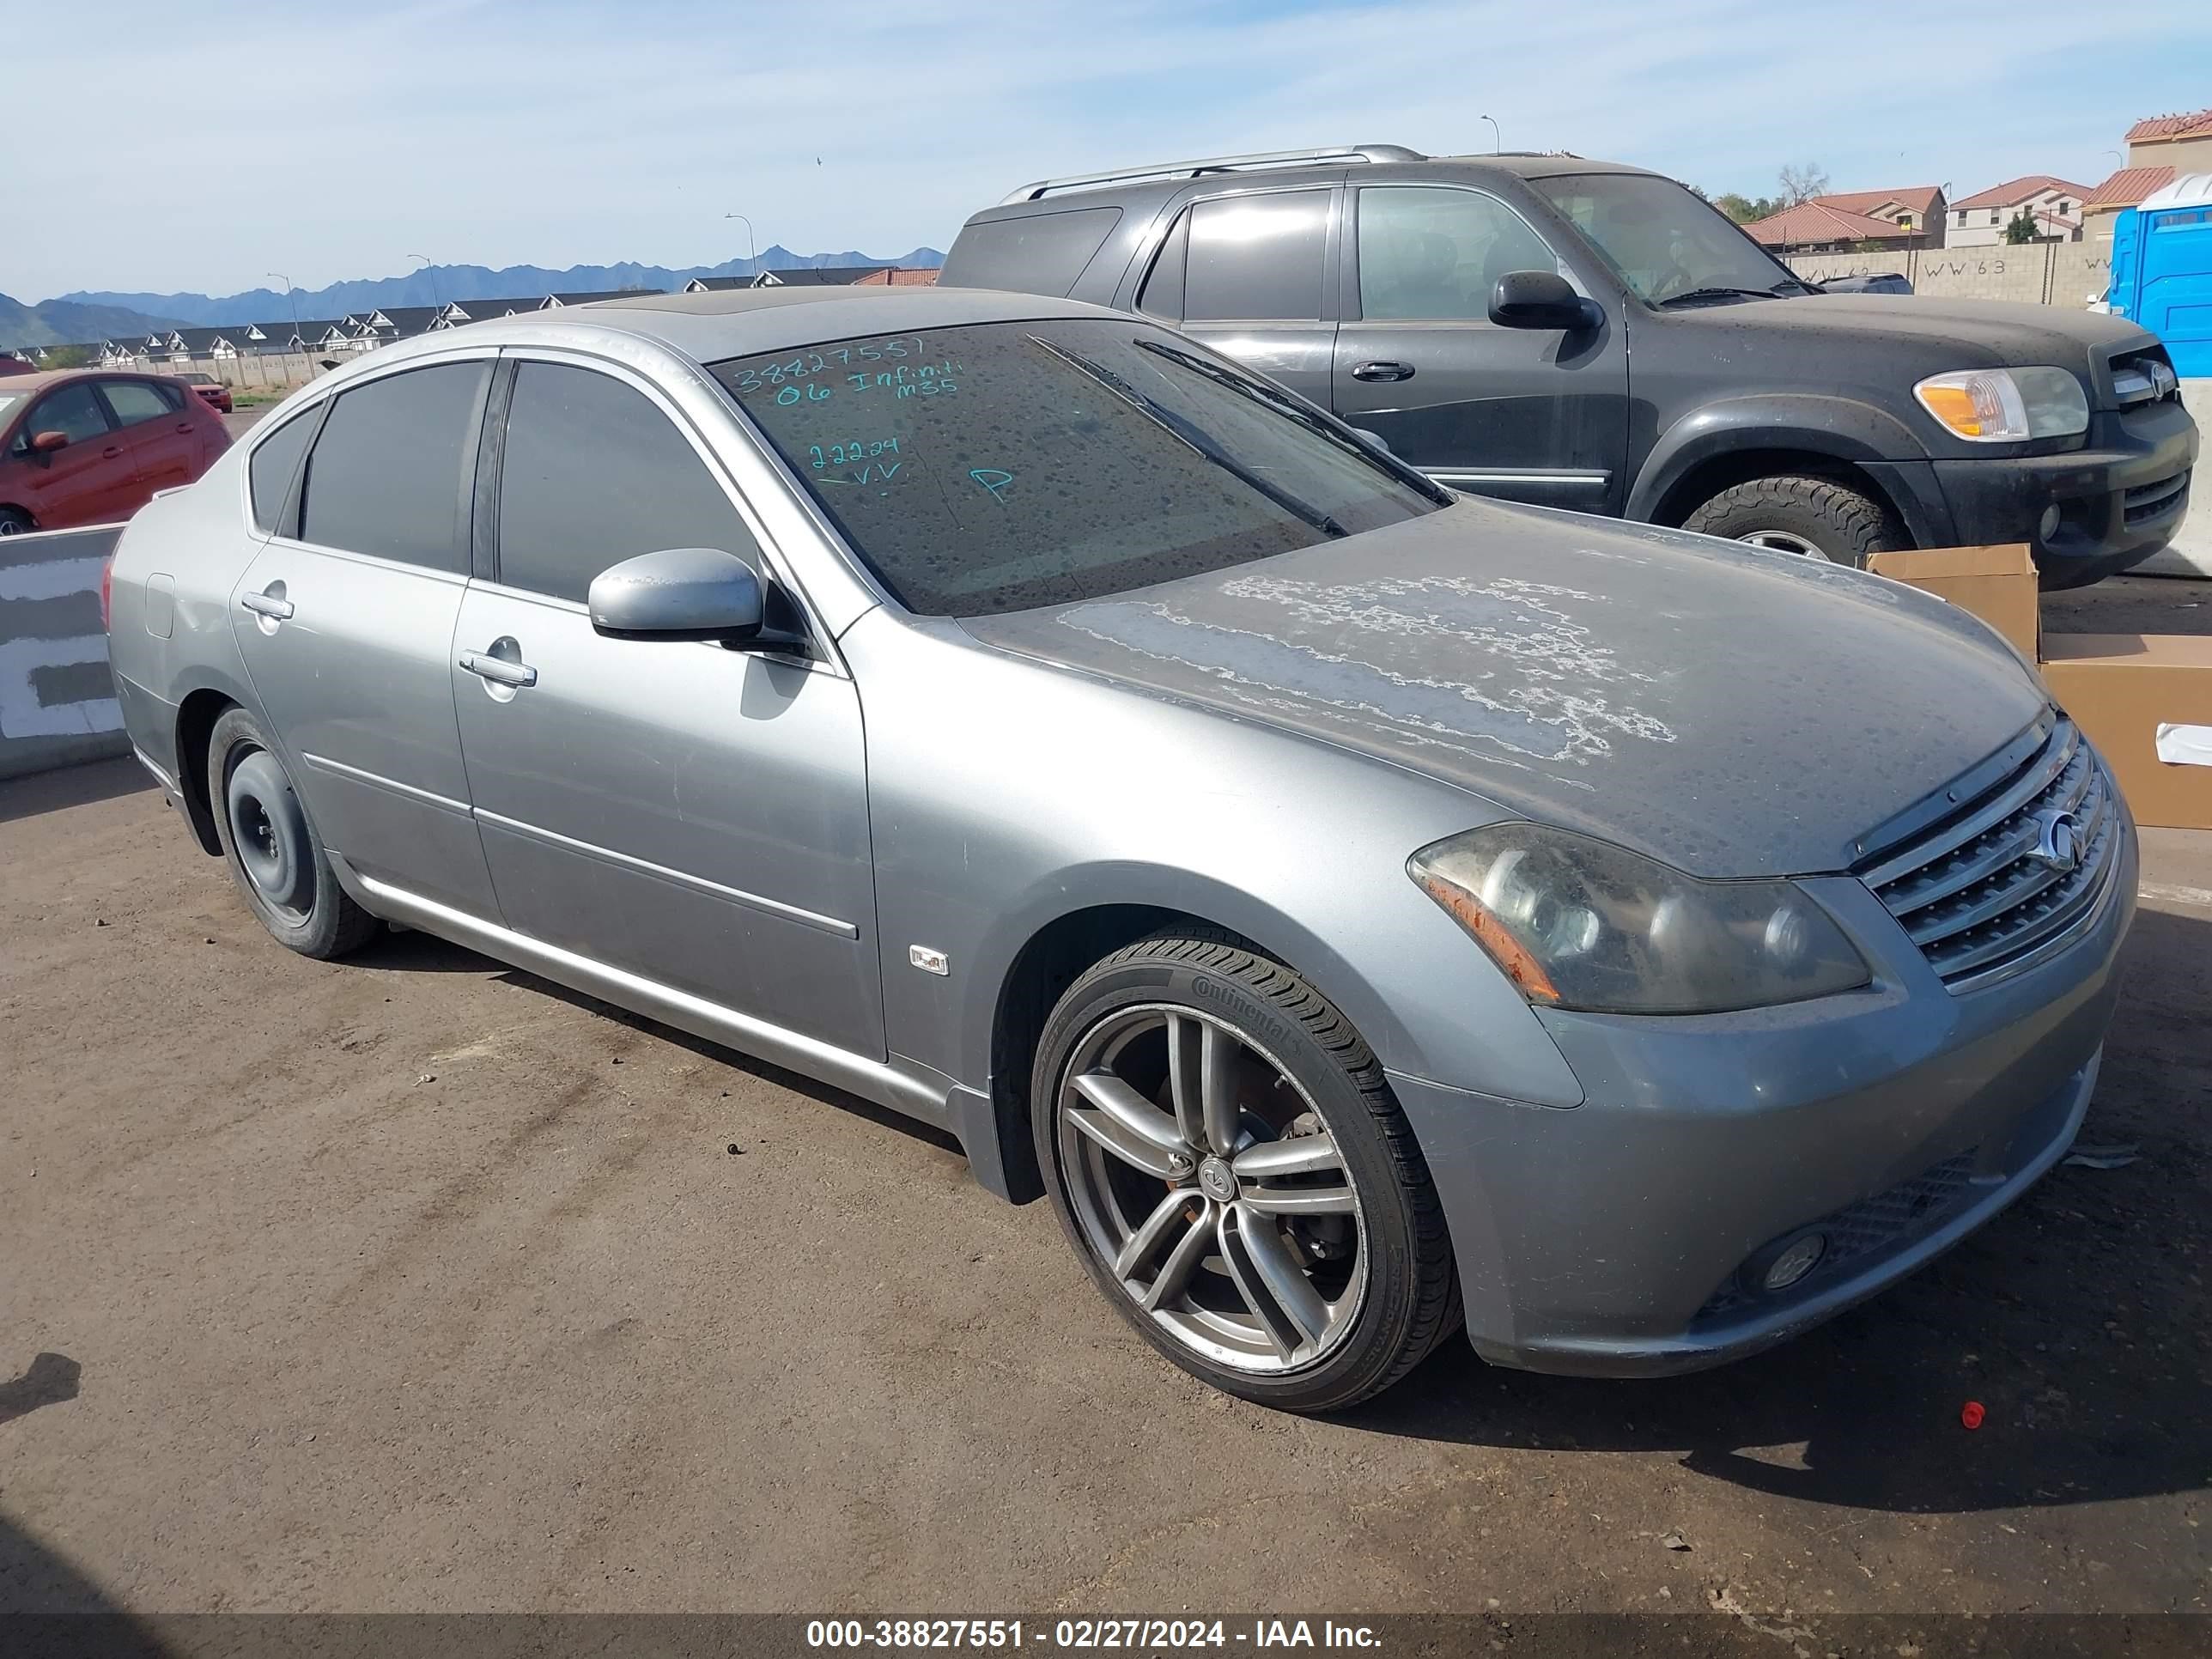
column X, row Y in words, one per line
column 1365, row 912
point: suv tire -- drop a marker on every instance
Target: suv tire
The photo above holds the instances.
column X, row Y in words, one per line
column 1796, row 514
column 1304, row 1312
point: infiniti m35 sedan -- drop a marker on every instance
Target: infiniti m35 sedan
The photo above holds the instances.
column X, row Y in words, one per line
column 1366, row 913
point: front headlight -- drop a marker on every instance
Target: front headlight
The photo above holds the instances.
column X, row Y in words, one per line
column 2006, row 405
column 1578, row 923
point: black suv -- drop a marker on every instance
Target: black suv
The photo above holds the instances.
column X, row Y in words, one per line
column 1586, row 334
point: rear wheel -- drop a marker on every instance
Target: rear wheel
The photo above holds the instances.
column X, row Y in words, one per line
column 1790, row 513
column 14, row 522
column 272, row 847
column 1226, row 1156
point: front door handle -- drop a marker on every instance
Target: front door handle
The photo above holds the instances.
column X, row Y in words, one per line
column 267, row 605
column 110, row 453
column 498, row 670
column 1383, row 372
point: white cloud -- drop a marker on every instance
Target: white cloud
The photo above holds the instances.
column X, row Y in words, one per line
column 181, row 148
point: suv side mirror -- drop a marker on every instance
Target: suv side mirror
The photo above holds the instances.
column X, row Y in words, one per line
column 45, row 443
column 1541, row 299
column 679, row 593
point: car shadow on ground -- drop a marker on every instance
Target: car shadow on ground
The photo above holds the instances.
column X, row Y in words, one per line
column 71, row 786
column 2078, row 1319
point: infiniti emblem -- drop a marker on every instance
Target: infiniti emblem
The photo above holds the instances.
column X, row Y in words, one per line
column 2058, row 840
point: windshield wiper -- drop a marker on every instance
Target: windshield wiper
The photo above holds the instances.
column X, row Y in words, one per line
column 1716, row 293
column 1196, row 438
column 1269, row 398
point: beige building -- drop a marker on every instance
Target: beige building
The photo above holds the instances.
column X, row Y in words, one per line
column 2160, row 150
column 2054, row 204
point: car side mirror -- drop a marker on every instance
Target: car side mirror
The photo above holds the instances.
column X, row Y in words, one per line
column 684, row 593
column 45, row 443
column 1541, row 299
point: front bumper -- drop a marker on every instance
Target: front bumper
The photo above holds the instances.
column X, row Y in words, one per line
column 1612, row 1238
column 2120, row 499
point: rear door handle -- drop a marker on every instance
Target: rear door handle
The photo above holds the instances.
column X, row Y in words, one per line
column 184, row 426
column 267, row 605
column 1383, row 372
column 498, row 670
column 110, row 453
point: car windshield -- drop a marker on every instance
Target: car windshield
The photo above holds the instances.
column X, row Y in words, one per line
column 1668, row 245
column 1002, row 466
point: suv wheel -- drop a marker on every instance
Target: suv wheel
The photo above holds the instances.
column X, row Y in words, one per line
column 1226, row 1156
column 274, row 854
column 1792, row 514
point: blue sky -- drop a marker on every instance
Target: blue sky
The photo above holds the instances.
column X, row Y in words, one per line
column 335, row 141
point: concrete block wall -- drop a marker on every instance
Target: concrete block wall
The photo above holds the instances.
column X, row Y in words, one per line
column 2064, row 274
column 56, row 700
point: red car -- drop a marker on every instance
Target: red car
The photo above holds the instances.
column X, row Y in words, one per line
column 216, row 394
column 83, row 446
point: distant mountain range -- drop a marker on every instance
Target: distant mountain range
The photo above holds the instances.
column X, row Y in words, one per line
column 67, row 322
column 433, row 286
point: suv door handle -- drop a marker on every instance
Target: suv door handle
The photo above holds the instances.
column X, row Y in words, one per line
column 266, row 605
column 498, row 670
column 1383, row 372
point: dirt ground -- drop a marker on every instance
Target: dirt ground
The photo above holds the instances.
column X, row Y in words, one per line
column 416, row 1283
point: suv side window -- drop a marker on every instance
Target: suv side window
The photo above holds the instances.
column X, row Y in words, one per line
column 1435, row 254
column 135, row 402
column 392, row 472
column 1243, row 258
column 592, row 474
column 74, row 411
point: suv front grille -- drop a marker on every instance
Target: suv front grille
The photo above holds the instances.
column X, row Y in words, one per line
column 1991, row 889
column 2154, row 500
column 2144, row 377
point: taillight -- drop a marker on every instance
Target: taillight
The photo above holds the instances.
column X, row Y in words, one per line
column 106, row 592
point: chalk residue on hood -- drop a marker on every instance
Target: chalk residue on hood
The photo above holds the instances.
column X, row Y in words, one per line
column 1499, row 668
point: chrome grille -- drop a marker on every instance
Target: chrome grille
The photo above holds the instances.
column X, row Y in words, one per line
column 1987, row 892
column 2144, row 377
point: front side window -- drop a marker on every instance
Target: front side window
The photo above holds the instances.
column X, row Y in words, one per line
column 1001, row 466
column 133, row 402
column 391, row 473
column 593, row 473
column 1435, row 254
column 74, row 411
column 1256, row 257
column 1665, row 244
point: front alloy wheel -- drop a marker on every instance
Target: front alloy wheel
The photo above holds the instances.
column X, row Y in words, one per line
column 1200, row 1171
column 1228, row 1159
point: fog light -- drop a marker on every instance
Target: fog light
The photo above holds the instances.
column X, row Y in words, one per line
column 2047, row 525
column 1793, row 1263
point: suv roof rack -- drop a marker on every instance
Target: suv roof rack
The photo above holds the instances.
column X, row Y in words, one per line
column 1192, row 169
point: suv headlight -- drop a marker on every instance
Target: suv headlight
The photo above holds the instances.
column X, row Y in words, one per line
column 2006, row 405
column 1578, row 923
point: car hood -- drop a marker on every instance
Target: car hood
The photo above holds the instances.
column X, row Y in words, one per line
column 1733, row 711
column 1955, row 333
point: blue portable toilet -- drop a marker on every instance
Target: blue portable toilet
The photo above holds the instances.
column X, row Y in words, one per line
column 2162, row 270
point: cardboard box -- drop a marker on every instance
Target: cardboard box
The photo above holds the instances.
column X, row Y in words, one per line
column 2121, row 689
column 1997, row 584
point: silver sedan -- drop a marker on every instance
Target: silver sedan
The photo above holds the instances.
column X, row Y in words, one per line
column 1365, row 912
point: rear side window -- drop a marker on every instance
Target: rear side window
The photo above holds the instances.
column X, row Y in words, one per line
column 1256, row 257
column 1035, row 253
column 269, row 474
column 391, row 473
column 594, row 474
column 135, row 401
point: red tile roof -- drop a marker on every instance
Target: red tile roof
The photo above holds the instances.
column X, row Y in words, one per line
column 1920, row 198
column 2129, row 186
column 2015, row 192
column 1817, row 221
column 2160, row 128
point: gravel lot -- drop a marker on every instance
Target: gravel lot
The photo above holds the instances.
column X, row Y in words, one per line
column 417, row 1283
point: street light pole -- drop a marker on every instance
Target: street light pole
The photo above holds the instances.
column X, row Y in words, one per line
column 1496, row 144
column 432, row 275
column 752, row 246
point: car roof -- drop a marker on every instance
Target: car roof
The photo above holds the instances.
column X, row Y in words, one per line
column 746, row 322
column 47, row 379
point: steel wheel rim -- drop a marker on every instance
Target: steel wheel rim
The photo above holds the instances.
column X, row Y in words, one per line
column 1785, row 541
column 1257, row 1260
column 270, row 836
